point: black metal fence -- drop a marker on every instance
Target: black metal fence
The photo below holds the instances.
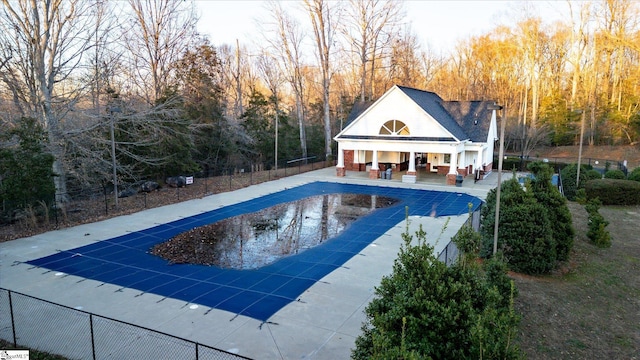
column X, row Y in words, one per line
column 45, row 326
column 449, row 255
column 97, row 203
column 602, row 165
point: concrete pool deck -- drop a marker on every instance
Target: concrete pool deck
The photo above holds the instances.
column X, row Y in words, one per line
column 322, row 324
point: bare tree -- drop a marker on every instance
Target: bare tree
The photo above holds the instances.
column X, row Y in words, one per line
column 159, row 33
column 274, row 78
column 236, row 71
column 579, row 43
column 44, row 42
column 367, row 21
column 288, row 44
column 405, row 63
column 106, row 57
column 324, row 19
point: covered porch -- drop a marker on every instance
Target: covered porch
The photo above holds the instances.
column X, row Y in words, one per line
column 411, row 162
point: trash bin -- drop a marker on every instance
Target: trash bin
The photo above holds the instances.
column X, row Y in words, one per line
column 459, row 179
column 383, row 175
column 388, row 174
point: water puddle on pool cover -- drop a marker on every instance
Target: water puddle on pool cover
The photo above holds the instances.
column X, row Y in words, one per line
column 250, row 241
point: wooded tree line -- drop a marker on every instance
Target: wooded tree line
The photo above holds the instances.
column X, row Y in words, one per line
column 130, row 89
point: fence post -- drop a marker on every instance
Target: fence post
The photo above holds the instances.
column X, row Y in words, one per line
column 55, row 210
column 106, row 205
column 446, row 255
column 13, row 321
column 93, row 341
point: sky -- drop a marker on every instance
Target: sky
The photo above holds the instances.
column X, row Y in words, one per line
column 438, row 24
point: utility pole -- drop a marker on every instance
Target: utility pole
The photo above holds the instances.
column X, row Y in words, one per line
column 580, row 148
column 503, row 121
column 113, row 109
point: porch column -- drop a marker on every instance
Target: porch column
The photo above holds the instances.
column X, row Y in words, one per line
column 478, row 165
column 374, row 173
column 340, row 171
column 412, row 163
column 462, row 164
column 453, row 167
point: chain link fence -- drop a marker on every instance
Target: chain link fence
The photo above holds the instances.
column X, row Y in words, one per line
column 76, row 334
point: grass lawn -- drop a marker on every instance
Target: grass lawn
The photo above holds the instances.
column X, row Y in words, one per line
column 590, row 309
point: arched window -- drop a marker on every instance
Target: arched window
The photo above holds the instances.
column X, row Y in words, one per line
column 394, row 127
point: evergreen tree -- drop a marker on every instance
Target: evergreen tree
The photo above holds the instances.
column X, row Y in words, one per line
column 559, row 215
column 26, row 177
column 425, row 309
column 524, row 233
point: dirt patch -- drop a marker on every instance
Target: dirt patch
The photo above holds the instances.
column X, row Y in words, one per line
column 589, row 309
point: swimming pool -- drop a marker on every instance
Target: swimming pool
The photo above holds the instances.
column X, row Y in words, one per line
column 257, row 293
column 251, row 241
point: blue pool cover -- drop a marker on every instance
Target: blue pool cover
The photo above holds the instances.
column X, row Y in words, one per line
column 257, row 293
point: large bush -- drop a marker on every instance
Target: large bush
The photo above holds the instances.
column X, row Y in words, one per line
column 593, row 174
column 525, row 234
column 425, row 309
column 615, row 174
column 614, row 191
column 559, row 215
column 634, row 175
column 569, row 174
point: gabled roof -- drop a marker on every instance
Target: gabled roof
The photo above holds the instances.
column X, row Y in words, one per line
column 474, row 117
column 358, row 108
column 463, row 119
column 432, row 104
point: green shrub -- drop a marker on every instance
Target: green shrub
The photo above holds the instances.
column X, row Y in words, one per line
column 597, row 232
column 569, row 174
column 634, row 175
column 615, row 174
column 526, row 239
column 495, row 270
column 525, row 234
column 425, row 309
column 614, row 191
column 581, row 196
column 559, row 215
column 593, row 175
column 468, row 242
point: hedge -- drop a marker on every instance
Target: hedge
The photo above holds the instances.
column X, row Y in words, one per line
column 614, row 191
